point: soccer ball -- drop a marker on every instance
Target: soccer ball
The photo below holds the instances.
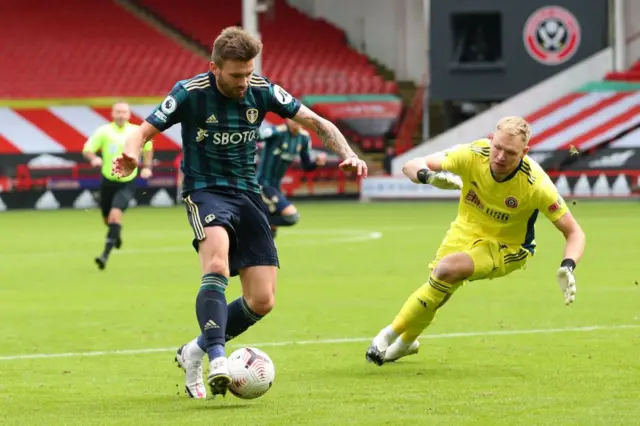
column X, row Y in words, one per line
column 252, row 373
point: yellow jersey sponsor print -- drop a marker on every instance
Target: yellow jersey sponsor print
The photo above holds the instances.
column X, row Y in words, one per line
column 505, row 211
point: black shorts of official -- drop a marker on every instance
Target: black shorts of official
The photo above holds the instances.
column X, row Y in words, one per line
column 116, row 195
column 274, row 199
column 244, row 215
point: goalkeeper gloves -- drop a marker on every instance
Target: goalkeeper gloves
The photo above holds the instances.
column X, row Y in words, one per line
column 442, row 180
column 566, row 280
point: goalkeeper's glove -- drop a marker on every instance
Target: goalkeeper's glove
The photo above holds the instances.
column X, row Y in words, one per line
column 566, row 281
column 442, row 180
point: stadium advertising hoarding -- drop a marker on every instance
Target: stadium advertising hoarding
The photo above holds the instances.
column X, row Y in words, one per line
column 400, row 188
column 593, row 183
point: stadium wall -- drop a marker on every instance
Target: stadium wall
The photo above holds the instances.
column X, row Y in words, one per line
column 392, row 32
column 632, row 30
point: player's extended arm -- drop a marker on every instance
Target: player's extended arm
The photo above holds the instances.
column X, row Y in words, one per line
column 430, row 162
column 137, row 138
column 331, row 137
column 574, row 235
column 126, row 163
column 428, row 170
column 573, row 251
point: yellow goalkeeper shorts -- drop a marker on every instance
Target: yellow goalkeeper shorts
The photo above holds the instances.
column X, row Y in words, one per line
column 491, row 259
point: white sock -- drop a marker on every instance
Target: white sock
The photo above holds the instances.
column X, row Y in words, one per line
column 193, row 351
column 402, row 345
column 385, row 338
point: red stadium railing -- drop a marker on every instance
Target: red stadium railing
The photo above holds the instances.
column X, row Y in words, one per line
column 29, row 178
column 411, row 121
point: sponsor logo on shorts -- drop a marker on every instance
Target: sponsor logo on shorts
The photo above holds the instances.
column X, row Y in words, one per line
column 209, row 218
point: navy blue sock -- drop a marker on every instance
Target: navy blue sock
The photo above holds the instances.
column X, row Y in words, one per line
column 211, row 310
column 240, row 318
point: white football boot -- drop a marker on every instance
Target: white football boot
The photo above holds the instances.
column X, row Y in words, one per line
column 380, row 344
column 399, row 349
column 194, row 384
column 219, row 378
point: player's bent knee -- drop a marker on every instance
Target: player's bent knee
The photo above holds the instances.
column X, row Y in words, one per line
column 259, row 288
column 262, row 303
column 217, row 265
column 214, row 251
column 454, row 268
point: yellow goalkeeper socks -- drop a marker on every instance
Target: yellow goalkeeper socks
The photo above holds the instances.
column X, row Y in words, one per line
column 420, row 308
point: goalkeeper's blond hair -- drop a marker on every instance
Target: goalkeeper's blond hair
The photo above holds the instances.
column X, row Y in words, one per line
column 515, row 126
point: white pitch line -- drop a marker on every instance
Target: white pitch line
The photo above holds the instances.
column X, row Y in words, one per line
column 349, row 238
column 330, row 341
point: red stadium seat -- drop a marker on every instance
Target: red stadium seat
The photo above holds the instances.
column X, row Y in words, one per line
column 86, row 48
column 98, row 48
column 300, row 53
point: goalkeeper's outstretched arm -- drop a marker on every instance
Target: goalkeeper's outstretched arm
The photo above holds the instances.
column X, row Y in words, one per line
column 430, row 162
column 574, row 235
column 429, row 170
column 573, row 250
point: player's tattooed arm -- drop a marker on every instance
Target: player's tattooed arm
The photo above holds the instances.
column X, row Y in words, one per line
column 331, row 137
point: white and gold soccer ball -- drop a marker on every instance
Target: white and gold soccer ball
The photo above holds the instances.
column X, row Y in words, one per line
column 252, row 373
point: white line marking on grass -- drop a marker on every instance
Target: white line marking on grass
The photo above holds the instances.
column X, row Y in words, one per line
column 330, row 341
column 342, row 237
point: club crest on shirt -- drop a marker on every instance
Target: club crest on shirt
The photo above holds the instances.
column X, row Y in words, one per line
column 252, row 115
column 511, row 202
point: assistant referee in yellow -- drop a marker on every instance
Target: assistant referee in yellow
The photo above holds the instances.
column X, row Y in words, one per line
column 115, row 192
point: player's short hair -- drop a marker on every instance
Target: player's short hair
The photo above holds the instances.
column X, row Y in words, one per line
column 235, row 44
column 515, row 126
column 120, row 102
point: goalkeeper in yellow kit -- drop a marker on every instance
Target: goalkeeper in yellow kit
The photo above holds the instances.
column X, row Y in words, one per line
column 503, row 191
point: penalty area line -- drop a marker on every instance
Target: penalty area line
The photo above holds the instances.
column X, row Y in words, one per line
column 329, row 341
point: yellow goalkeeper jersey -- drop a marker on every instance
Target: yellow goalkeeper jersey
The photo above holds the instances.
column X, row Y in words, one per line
column 507, row 210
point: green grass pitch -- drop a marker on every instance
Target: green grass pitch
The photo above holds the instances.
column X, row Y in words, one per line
column 503, row 352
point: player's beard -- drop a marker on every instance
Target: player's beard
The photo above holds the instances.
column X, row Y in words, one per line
column 229, row 91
